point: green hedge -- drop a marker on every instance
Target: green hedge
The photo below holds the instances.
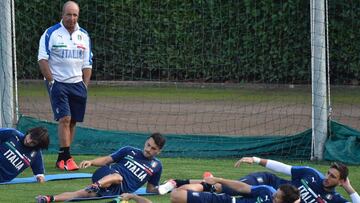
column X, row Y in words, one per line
column 263, row 41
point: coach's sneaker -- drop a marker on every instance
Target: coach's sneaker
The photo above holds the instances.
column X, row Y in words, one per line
column 207, row 174
column 70, row 165
column 43, row 199
column 167, row 187
column 60, row 165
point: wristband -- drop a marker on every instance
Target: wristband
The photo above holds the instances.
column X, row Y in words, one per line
column 256, row 159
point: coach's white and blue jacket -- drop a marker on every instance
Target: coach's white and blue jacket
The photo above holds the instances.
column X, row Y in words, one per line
column 15, row 157
column 66, row 53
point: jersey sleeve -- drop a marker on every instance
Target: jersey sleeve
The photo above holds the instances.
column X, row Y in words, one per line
column 121, row 153
column 37, row 164
column 43, row 53
column 88, row 56
column 87, row 53
column 6, row 133
column 155, row 178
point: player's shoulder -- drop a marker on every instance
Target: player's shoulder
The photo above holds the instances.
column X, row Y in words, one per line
column 307, row 170
column 11, row 131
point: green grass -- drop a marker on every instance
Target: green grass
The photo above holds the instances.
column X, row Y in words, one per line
column 173, row 93
column 173, row 168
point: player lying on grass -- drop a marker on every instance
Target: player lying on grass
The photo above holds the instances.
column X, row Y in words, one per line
column 19, row 151
column 124, row 171
column 313, row 185
column 261, row 194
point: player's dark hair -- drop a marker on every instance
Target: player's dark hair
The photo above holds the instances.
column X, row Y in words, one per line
column 41, row 136
column 342, row 168
column 158, row 139
column 290, row 193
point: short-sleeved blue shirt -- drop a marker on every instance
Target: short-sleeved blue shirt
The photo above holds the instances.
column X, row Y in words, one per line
column 135, row 168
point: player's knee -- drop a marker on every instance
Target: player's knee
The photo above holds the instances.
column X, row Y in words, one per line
column 178, row 196
column 117, row 178
column 65, row 120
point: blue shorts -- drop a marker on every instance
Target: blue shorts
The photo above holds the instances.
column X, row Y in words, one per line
column 207, row 197
column 114, row 189
column 258, row 178
column 68, row 99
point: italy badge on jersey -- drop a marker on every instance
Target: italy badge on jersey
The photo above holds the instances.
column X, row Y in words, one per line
column 153, row 164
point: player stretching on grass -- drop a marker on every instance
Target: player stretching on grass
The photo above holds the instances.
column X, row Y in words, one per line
column 254, row 194
column 124, row 171
column 19, row 151
column 313, row 185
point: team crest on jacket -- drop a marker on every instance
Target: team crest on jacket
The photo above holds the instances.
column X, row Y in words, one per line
column 329, row 196
column 153, row 164
column 79, row 37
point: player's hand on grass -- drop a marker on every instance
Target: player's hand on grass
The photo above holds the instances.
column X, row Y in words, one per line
column 248, row 160
column 85, row 164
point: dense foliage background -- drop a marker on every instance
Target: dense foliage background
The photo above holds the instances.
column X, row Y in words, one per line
column 256, row 41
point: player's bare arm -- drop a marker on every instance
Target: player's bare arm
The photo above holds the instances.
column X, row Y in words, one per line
column 251, row 160
column 233, row 184
column 101, row 161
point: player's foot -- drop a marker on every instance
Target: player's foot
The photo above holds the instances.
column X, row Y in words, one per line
column 95, row 187
column 207, row 174
column 71, row 165
column 60, row 165
column 43, row 199
column 167, row 187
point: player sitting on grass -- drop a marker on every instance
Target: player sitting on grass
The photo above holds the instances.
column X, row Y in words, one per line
column 19, row 151
column 124, row 171
column 262, row 193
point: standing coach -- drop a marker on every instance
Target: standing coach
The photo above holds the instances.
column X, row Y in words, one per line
column 65, row 60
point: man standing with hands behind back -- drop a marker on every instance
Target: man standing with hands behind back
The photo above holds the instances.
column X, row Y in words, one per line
column 65, row 60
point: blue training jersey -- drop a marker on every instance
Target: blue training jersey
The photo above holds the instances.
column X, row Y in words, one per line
column 310, row 183
column 15, row 157
column 135, row 168
column 259, row 194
